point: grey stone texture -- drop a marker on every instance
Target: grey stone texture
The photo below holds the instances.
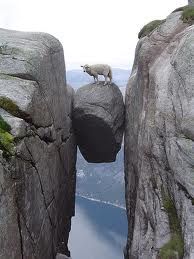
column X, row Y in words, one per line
column 37, row 183
column 98, row 120
column 191, row 2
column 159, row 139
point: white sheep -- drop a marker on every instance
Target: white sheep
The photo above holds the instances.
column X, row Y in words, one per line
column 99, row 69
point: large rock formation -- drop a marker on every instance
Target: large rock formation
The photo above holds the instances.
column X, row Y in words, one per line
column 159, row 144
column 37, row 159
column 98, row 117
column 191, row 2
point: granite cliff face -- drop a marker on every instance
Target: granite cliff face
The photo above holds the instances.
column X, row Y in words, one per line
column 159, row 144
column 38, row 151
column 190, row 2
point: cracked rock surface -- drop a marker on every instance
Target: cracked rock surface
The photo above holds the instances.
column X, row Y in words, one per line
column 37, row 183
column 98, row 120
column 159, row 141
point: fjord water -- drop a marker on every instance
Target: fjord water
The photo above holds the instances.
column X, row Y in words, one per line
column 98, row 231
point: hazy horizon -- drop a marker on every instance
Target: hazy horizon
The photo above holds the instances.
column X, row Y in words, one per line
column 77, row 67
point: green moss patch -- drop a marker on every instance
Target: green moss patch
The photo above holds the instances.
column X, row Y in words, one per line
column 179, row 9
column 172, row 248
column 188, row 15
column 8, row 105
column 4, row 125
column 6, row 143
column 148, row 28
column 175, row 246
column 6, row 139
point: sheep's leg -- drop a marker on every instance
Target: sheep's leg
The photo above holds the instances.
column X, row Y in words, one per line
column 97, row 80
column 110, row 81
column 94, row 79
column 105, row 76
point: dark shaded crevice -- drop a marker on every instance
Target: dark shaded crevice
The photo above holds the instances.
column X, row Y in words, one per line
column 20, row 233
column 182, row 188
column 45, row 139
column 41, row 186
column 28, row 230
column 132, row 194
column 44, row 200
column 32, row 131
column 22, row 76
column 43, row 194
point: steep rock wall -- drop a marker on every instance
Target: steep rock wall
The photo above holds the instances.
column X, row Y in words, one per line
column 38, row 151
column 190, row 2
column 159, row 144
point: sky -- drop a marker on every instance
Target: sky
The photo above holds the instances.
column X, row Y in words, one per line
column 91, row 31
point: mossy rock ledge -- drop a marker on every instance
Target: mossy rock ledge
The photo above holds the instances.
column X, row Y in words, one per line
column 149, row 28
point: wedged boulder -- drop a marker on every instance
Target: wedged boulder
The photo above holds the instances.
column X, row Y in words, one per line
column 37, row 147
column 98, row 121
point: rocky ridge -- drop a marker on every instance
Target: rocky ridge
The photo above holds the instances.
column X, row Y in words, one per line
column 159, row 144
column 38, row 151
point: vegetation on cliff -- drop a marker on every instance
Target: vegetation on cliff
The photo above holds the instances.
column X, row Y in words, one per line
column 11, row 107
column 188, row 15
column 6, row 139
column 175, row 245
column 148, row 28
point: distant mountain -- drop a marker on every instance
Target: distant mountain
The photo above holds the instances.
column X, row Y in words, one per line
column 77, row 78
column 104, row 181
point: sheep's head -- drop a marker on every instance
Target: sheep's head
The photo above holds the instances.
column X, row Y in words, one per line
column 86, row 68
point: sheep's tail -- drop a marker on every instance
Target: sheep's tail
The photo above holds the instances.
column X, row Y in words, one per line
column 110, row 74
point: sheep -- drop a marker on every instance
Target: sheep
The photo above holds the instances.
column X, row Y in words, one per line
column 99, row 69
